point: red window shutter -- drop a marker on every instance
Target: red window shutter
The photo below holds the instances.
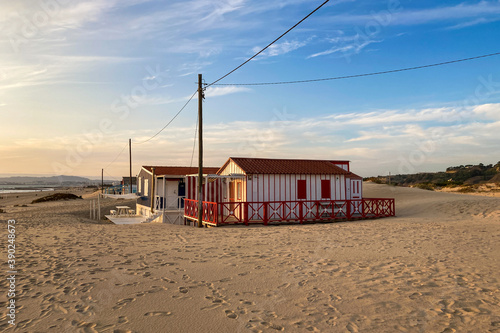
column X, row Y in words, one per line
column 301, row 189
column 326, row 189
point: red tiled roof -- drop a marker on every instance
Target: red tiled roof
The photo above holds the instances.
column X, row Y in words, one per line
column 179, row 170
column 286, row 166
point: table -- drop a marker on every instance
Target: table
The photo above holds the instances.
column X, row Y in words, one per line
column 122, row 210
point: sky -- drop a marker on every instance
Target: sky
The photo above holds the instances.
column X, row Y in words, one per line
column 79, row 78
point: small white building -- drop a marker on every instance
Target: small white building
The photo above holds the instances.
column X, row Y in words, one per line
column 162, row 189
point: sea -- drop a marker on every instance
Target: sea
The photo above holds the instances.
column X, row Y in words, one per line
column 12, row 188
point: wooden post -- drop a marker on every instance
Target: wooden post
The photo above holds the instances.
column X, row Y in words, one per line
column 301, row 213
column 102, row 180
column 153, row 190
column 245, row 212
column 98, row 206
column 265, row 213
column 200, row 151
column 130, row 159
column 164, row 201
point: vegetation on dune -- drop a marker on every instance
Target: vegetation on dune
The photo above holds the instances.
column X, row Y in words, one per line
column 57, row 197
column 463, row 175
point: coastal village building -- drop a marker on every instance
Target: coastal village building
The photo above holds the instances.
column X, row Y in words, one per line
column 161, row 189
column 258, row 190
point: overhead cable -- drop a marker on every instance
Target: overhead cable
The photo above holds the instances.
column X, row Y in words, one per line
column 171, row 120
column 274, row 41
column 116, row 157
column 360, row 75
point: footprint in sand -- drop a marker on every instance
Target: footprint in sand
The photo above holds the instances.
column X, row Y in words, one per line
column 242, row 301
column 121, row 303
column 183, row 290
column 272, row 326
column 231, row 314
column 352, row 327
column 122, row 320
column 157, row 313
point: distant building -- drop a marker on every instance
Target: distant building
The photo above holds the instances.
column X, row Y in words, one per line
column 126, row 181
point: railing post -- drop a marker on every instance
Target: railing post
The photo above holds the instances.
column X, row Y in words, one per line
column 348, row 209
column 265, row 213
column 245, row 212
column 216, row 214
column 301, row 213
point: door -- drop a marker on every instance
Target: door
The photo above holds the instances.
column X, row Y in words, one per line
column 356, row 189
column 172, row 197
column 181, row 193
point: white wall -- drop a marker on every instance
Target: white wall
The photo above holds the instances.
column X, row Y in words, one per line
column 267, row 187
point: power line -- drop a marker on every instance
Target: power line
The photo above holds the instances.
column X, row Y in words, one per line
column 274, row 41
column 171, row 120
column 111, row 176
column 194, row 143
column 359, row 75
column 117, row 156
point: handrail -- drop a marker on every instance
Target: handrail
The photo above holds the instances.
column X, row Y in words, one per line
column 230, row 212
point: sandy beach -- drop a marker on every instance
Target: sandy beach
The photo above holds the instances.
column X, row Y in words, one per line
column 435, row 267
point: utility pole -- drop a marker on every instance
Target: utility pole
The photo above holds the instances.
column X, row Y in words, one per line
column 102, row 180
column 200, row 151
column 130, row 158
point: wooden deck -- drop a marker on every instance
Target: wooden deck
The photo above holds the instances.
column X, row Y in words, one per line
column 126, row 220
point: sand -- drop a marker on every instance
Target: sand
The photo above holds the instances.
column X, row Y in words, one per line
column 433, row 268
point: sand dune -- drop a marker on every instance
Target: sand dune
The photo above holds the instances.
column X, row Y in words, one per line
column 433, row 268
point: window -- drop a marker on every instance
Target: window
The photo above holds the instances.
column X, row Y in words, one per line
column 301, row 189
column 146, row 187
column 326, row 189
column 238, row 190
column 139, row 185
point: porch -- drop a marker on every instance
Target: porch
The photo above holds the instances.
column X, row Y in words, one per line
column 223, row 213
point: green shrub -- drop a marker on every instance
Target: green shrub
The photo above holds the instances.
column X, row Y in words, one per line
column 467, row 189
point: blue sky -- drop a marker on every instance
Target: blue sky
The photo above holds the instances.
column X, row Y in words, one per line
column 79, row 78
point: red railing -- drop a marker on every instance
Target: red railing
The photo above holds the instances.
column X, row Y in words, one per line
column 209, row 216
column 289, row 211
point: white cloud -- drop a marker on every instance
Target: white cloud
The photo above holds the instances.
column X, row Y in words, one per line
column 345, row 49
column 281, row 48
column 221, row 91
column 488, row 111
column 375, row 148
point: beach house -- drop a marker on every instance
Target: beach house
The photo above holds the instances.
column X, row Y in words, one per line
column 161, row 191
column 259, row 190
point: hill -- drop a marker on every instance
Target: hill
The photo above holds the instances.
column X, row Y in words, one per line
column 463, row 175
column 59, row 180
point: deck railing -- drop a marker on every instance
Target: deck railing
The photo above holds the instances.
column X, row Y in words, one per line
column 289, row 211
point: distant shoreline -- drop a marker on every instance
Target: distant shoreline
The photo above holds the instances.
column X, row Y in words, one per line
column 26, row 190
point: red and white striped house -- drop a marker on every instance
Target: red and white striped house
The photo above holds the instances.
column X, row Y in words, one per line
column 258, row 190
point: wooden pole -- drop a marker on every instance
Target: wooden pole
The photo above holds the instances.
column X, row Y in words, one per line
column 130, row 158
column 98, row 207
column 164, row 198
column 102, row 180
column 153, row 190
column 200, row 151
